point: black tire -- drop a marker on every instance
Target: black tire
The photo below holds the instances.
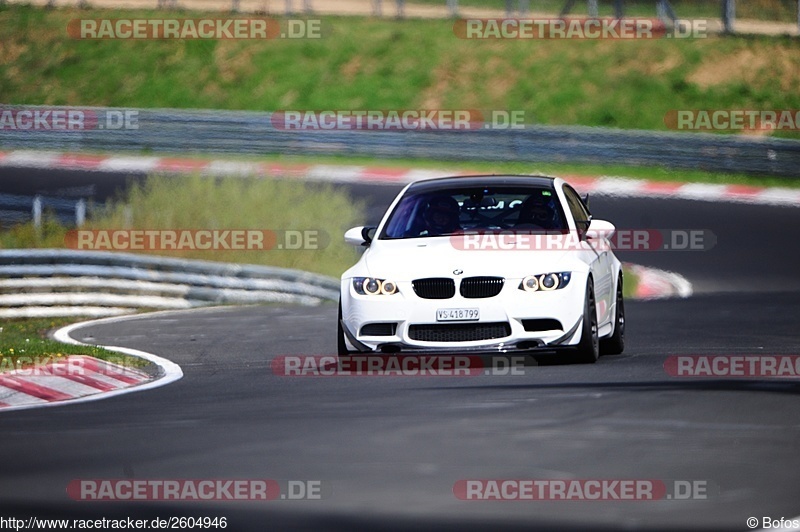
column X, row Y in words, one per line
column 342, row 350
column 615, row 344
column 589, row 347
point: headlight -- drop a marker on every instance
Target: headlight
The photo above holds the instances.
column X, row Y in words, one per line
column 545, row 282
column 369, row 286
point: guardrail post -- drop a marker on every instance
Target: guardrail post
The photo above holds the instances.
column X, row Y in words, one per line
column 567, row 8
column 289, row 9
column 80, row 213
column 401, row 12
column 37, row 212
column 619, row 12
column 234, row 6
column 592, row 8
column 452, row 8
column 665, row 11
column 522, row 7
column 127, row 216
column 728, row 15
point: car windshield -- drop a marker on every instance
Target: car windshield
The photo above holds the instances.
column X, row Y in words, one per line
column 452, row 211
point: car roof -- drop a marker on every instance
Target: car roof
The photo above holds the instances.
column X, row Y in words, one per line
column 482, row 181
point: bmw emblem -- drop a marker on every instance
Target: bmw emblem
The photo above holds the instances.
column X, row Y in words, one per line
column 457, row 272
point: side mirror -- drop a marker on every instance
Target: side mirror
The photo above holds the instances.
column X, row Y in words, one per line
column 599, row 229
column 360, row 236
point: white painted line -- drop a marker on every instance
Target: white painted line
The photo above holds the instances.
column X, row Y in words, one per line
column 322, row 172
column 618, row 186
column 31, row 159
column 779, row 196
column 232, row 168
column 419, row 175
column 171, row 371
column 129, row 164
column 702, row 191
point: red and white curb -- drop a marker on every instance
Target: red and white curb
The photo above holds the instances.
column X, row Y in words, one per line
column 605, row 185
column 63, row 379
column 653, row 283
column 80, row 378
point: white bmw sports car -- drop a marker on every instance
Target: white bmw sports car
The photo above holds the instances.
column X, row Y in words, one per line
column 484, row 264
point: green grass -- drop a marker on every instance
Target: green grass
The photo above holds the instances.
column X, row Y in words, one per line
column 24, row 343
column 630, row 284
column 195, row 202
column 367, row 63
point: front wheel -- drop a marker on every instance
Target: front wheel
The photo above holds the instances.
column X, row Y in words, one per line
column 589, row 346
column 615, row 344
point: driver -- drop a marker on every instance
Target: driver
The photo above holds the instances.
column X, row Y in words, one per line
column 441, row 215
column 537, row 211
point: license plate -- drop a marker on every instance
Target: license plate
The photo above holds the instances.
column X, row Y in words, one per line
column 458, row 314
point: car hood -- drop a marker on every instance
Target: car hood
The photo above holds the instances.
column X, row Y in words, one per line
column 408, row 259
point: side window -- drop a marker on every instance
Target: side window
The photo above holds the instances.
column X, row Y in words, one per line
column 579, row 212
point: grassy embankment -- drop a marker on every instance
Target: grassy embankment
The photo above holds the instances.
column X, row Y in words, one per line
column 364, row 63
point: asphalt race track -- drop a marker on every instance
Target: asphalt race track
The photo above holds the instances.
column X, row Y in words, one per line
column 389, row 450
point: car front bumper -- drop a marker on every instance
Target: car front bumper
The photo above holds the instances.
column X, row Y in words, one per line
column 514, row 320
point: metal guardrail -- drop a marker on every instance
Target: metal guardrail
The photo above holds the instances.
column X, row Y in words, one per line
column 252, row 133
column 52, row 282
column 16, row 207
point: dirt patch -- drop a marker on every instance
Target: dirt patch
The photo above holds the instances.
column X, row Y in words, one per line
column 778, row 65
column 234, row 61
column 352, row 68
column 11, row 51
